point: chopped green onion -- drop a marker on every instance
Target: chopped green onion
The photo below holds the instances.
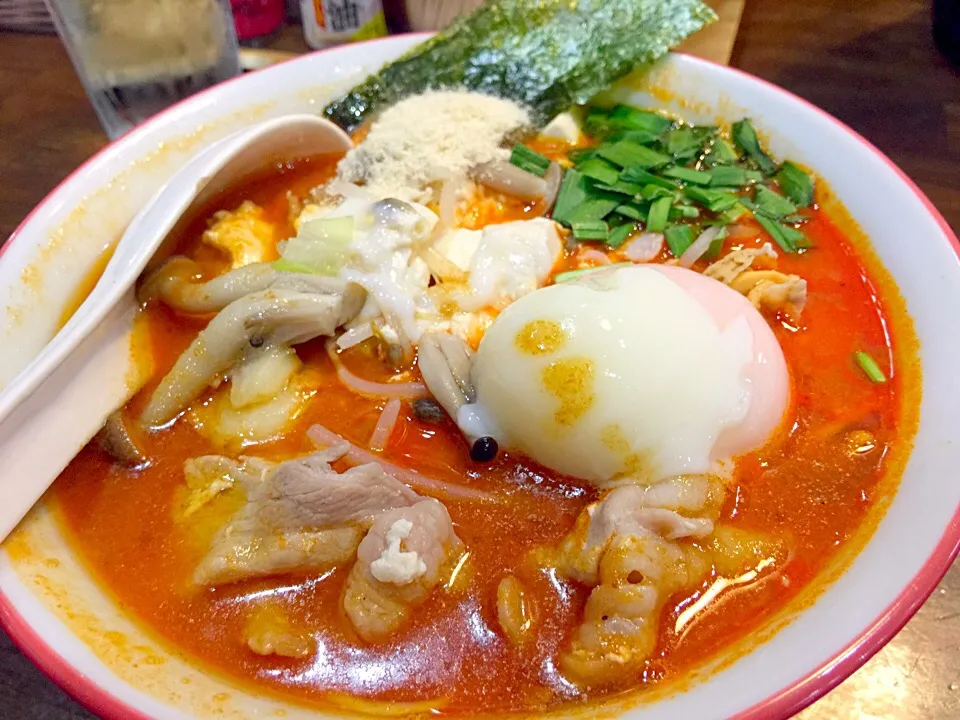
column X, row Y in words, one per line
column 716, row 245
column 688, row 175
column 573, row 274
column 683, row 211
column 600, row 170
column 642, row 177
column 658, row 214
column 722, row 153
column 745, row 137
column 796, row 184
column 619, row 235
column 621, row 187
column 590, row 230
column 628, row 118
column 767, row 202
column 732, row 214
column 728, row 176
column 632, row 211
column 679, row 238
column 869, row 367
column 682, row 143
column 578, row 201
column 629, row 154
column 580, row 155
column 794, row 218
column 713, row 200
column 641, row 137
column 788, row 238
column 652, row 192
column 529, row 160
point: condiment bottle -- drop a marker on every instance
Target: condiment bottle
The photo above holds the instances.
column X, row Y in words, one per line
column 257, row 21
column 329, row 22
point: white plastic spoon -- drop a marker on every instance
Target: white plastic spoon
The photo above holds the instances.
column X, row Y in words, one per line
column 56, row 404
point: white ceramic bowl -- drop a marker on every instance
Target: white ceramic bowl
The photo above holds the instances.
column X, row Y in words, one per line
column 69, row 626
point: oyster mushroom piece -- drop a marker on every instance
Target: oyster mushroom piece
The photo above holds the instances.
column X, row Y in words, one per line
column 175, row 284
column 444, row 361
column 118, row 439
column 270, row 317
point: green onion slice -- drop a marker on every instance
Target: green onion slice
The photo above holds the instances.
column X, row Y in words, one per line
column 745, row 137
column 796, row 184
column 869, row 367
column 658, row 214
column 590, row 230
column 529, row 160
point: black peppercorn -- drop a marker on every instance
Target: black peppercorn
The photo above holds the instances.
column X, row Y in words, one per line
column 484, row 450
column 256, row 341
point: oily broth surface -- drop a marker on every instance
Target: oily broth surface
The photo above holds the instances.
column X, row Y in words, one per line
column 804, row 486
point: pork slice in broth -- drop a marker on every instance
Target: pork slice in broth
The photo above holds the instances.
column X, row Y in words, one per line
column 634, row 549
column 405, row 555
column 300, row 515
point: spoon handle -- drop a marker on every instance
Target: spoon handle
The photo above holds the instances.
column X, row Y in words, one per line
column 46, row 431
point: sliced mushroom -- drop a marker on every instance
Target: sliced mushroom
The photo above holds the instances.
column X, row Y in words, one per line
column 117, row 439
column 175, row 283
column 444, row 362
column 271, row 317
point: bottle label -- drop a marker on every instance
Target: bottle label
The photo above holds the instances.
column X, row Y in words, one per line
column 356, row 19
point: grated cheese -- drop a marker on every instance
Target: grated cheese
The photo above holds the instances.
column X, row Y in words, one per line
column 428, row 138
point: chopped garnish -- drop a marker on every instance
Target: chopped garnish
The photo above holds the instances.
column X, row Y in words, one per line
column 642, row 177
column 632, row 211
column 572, row 274
column 713, row 200
column 619, row 235
column 716, row 245
column 869, row 367
column 659, row 212
column 721, row 153
column 679, row 238
column 683, row 211
column 641, row 122
column 652, row 192
column 796, row 184
column 733, row 176
column 621, row 187
column 682, row 143
column 578, row 201
column 630, row 154
column 767, row 202
column 688, row 175
column 600, row 170
column 529, row 160
column 579, row 155
column 590, row 230
column 788, row 238
column 745, row 137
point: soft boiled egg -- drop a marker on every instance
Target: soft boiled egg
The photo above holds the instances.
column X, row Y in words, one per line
column 631, row 373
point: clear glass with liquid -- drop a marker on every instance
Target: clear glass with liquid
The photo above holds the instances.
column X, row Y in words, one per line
column 137, row 57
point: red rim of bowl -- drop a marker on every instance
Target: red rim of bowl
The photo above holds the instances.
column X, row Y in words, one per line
column 781, row 704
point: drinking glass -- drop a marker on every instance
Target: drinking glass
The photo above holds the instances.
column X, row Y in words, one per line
column 136, row 57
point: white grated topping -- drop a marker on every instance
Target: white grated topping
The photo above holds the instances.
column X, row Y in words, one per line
column 428, row 138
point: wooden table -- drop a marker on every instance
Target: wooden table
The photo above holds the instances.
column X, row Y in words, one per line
column 871, row 64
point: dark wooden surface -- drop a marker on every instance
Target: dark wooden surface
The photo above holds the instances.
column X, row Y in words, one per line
column 871, row 63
